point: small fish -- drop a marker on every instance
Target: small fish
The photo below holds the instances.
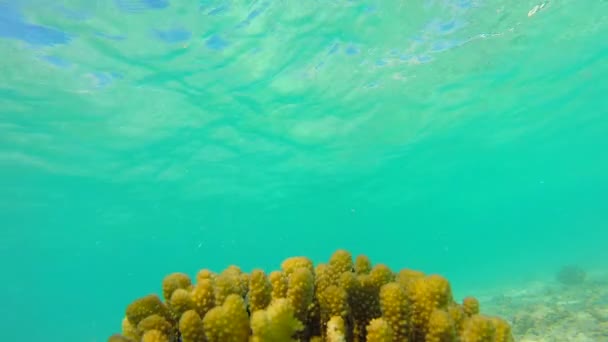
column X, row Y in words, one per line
column 536, row 8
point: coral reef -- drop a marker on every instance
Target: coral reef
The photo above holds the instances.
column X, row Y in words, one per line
column 571, row 275
column 342, row 300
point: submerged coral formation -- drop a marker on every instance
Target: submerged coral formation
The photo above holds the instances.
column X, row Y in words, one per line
column 571, row 275
column 342, row 300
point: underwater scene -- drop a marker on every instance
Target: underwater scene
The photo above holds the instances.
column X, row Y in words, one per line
column 315, row 171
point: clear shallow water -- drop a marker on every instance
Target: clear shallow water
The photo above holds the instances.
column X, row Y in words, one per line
column 139, row 138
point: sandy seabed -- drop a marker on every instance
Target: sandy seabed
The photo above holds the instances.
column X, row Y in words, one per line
column 553, row 312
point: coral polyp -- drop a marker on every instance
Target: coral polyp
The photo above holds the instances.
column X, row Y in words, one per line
column 342, row 300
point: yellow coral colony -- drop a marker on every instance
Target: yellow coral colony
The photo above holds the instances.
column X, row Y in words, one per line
column 343, row 300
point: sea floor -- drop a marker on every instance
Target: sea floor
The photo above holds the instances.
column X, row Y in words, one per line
column 553, row 312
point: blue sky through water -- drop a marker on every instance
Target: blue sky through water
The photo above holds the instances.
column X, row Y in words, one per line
column 15, row 26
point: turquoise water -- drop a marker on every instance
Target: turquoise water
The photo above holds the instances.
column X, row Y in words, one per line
column 138, row 138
